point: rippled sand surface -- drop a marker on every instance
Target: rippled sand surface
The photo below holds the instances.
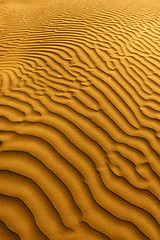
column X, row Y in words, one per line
column 79, row 120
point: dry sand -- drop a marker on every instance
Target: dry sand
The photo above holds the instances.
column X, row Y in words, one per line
column 79, row 120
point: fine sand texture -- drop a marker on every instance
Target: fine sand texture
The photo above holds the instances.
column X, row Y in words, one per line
column 79, row 120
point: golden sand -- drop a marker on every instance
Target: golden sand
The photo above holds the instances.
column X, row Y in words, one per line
column 79, row 120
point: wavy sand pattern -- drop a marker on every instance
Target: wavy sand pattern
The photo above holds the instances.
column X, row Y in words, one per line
column 79, row 120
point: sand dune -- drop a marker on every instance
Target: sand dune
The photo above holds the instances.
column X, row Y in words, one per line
column 79, row 120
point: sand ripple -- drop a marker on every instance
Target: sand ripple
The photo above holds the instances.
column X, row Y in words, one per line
column 79, row 120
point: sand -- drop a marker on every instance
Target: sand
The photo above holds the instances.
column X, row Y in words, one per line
column 79, row 120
